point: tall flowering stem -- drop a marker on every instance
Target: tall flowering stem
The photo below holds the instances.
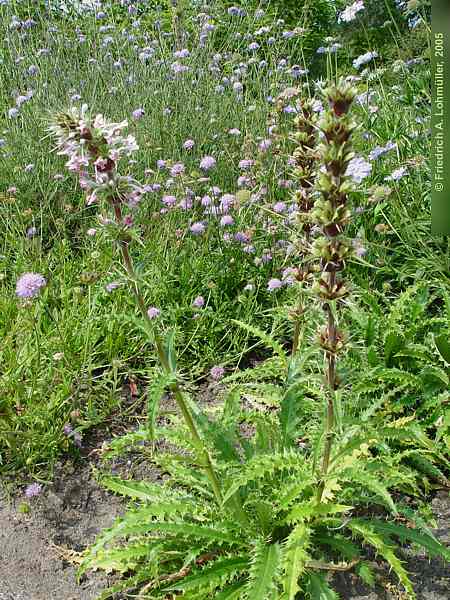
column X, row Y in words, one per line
column 332, row 248
column 94, row 147
column 304, row 161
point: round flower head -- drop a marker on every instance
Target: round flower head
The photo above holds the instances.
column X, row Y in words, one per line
column 226, row 220
column 207, row 162
column 109, row 287
column 197, row 228
column 177, row 169
column 217, row 373
column 32, row 490
column 153, row 312
column 349, row 14
column 358, row 169
column 29, row 285
column 274, row 284
column 199, row 302
column 138, row 113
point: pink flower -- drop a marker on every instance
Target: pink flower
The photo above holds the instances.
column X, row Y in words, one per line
column 217, row 373
column 138, row 113
column 274, row 284
column 153, row 312
column 197, row 228
column 207, row 163
column 32, row 490
column 199, row 302
column 29, row 285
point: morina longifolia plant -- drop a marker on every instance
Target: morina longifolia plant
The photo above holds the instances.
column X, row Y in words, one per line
column 94, row 148
column 284, row 521
column 331, row 214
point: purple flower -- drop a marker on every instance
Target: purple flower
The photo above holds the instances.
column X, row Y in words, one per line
column 31, row 232
column 161, row 164
column 29, row 285
column 274, row 284
column 264, row 145
column 246, row 164
column 153, row 312
column 67, row 429
column 279, row 207
column 397, row 174
column 197, row 228
column 351, row 11
column 358, row 169
column 177, row 169
column 226, row 202
column 109, row 287
column 241, row 237
column 169, row 200
column 138, row 113
column 184, row 53
column 364, row 59
column 199, row 302
column 32, row 490
column 226, row 220
column 217, row 373
column 235, row 11
column 178, row 67
column 207, row 162
column 188, row 144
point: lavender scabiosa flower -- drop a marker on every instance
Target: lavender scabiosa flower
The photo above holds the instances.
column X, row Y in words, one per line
column 68, row 429
column 138, row 113
column 397, row 174
column 226, row 220
column 188, row 144
column 246, row 164
column 381, row 150
column 358, row 169
column 207, row 163
column 33, row 490
column 199, row 302
column 274, row 284
column 153, row 312
column 177, row 169
column 217, row 373
column 280, row 207
column 29, row 285
column 31, row 232
column 197, row 228
column 109, row 287
column 364, row 59
column 349, row 13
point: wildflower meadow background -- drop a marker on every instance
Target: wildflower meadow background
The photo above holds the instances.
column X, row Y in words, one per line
column 161, row 169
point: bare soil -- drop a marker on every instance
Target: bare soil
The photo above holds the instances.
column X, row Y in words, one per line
column 37, row 548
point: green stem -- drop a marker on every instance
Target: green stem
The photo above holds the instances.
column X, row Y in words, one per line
column 205, row 459
column 331, row 383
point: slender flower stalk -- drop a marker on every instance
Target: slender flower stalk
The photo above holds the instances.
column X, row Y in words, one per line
column 94, row 147
column 331, row 248
column 304, row 159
